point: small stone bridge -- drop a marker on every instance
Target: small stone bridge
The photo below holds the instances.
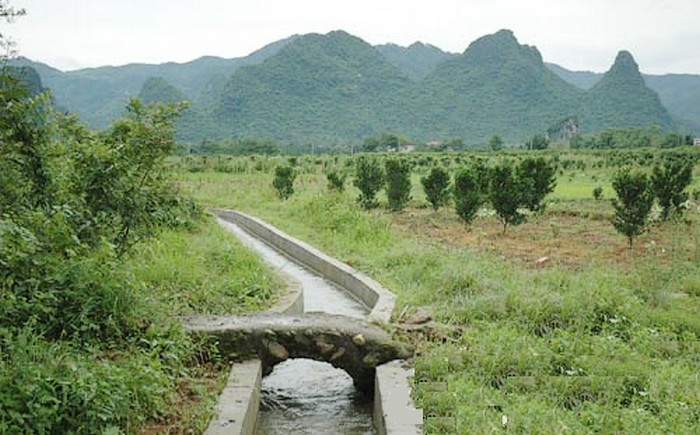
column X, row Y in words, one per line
column 353, row 345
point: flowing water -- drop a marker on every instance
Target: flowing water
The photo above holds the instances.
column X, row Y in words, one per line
column 302, row 396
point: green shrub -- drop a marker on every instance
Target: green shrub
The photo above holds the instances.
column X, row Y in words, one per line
column 598, row 193
column 284, row 181
column 669, row 183
column 506, row 195
column 336, row 180
column 468, row 196
column 538, row 179
column 369, row 179
column 398, row 182
column 437, row 187
column 633, row 204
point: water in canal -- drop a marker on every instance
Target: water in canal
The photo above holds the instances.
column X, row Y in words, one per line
column 302, row 396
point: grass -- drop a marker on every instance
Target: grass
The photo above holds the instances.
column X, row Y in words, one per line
column 597, row 338
column 155, row 379
column 203, row 271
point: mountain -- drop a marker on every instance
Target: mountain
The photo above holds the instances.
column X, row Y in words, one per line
column 495, row 86
column 417, row 60
column 319, row 88
column 99, row 95
column 24, row 75
column 158, row 90
column 624, row 89
column 581, row 79
column 679, row 93
column 336, row 89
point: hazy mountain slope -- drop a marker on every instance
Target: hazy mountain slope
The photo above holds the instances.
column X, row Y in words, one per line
column 581, row 79
column 417, row 60
column 336, row 89
column 679, row 93
column 332, row 87
column 495, row 86
column 621, row 98
column 99, row 95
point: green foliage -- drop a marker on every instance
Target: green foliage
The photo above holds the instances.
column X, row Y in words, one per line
column 239, row 147
column 398, row 182
column 384, row 142
column 496, row 143
column 538, row 179
column 369, row 179
column 55, row 387
column 81, row 350
column 336, row 180
column 669, row 183
column 598, row 193
column 437, row 187
column 635, row 198
column 506, row 195
column 468, row 193
column 284, row 181
column 537, row 142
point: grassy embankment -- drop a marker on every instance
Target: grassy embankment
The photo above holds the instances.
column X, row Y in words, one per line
column 158, row 380
column 596, row 338
column 202, row 271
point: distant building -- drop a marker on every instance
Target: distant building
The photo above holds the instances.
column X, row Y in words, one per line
column 696, row 142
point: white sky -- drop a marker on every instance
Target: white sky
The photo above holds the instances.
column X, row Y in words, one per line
column 663, row 35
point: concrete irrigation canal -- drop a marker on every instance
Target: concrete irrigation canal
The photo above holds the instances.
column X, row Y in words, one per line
column 329, row 368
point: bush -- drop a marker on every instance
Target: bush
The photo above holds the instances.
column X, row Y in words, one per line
column 284, row 181
column 336, row 180
column 468, row 195
column 437, row 187
column 633, row 204
column 669, row 183
column 598, row 193
column 506, row 195
column 538, row 179
column 369, row 179
column 398, row 183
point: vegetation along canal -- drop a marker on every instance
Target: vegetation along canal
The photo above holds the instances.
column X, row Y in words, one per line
column 303, row 396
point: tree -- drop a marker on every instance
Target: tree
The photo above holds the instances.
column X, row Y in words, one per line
column 369, row 179
column 468, row 195
column 538, row 179
column 633, row 204
column 506, row 195
column 496, row 143
column 437, row 187
column 336, row 180
column 398, row 183
column 538, row 142
column 284, row 181
column 669, row 183
column 7, row 14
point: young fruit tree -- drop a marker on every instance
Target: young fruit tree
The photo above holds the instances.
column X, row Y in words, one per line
column 506, row 195
column 669, row 183
column 538, row 179
column 468, row 194
column 336, row 180
column 369, row 179
column 437, row 187
column 635, row 198
column 284, row 181
column 398, row 183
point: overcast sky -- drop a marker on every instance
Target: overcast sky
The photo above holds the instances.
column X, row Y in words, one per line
column 663, row 35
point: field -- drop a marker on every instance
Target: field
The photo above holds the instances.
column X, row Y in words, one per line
column 554, row 327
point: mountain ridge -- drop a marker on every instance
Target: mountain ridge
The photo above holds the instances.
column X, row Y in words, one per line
column 496, row 86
